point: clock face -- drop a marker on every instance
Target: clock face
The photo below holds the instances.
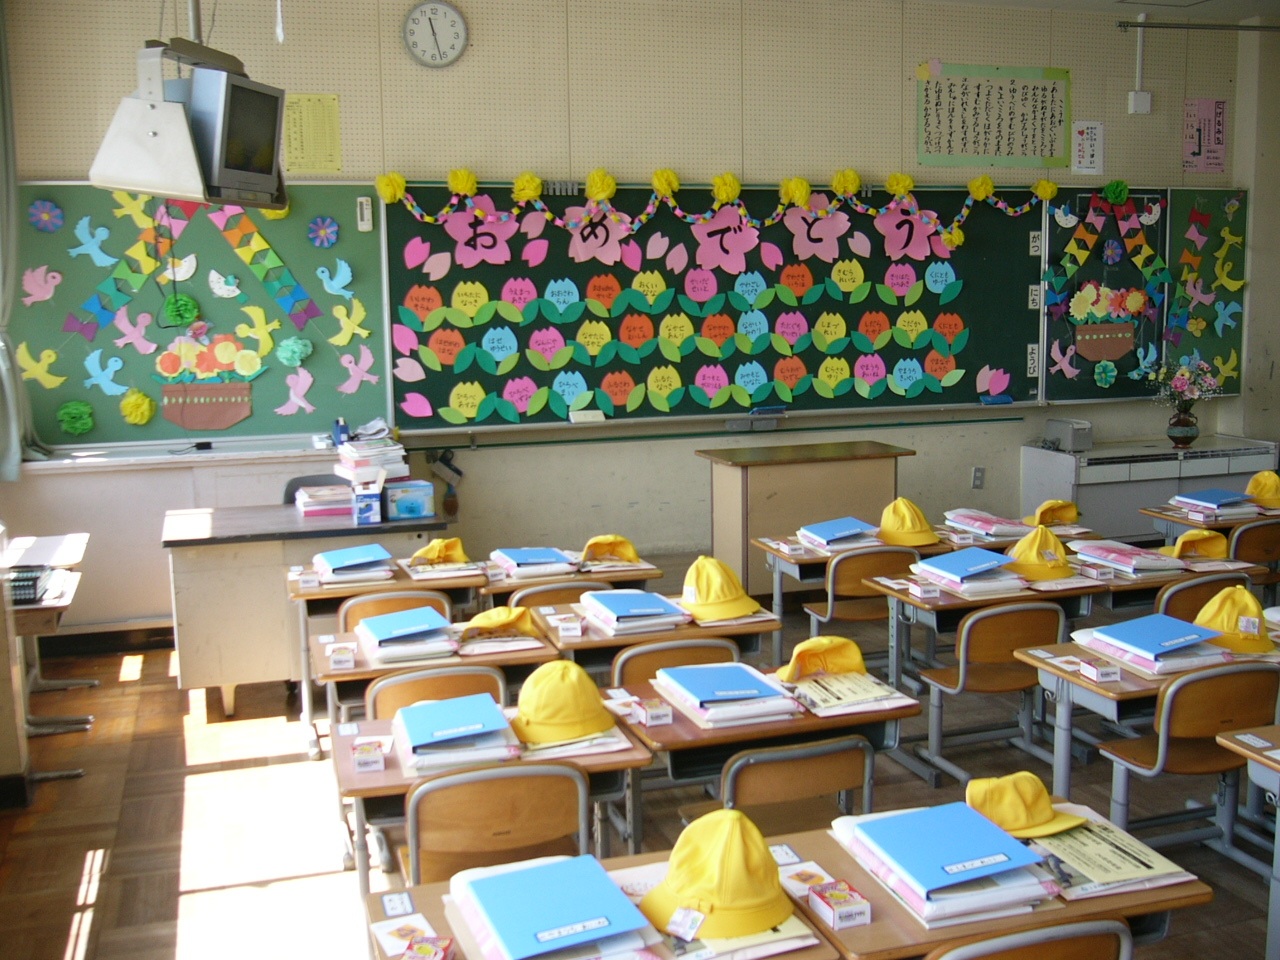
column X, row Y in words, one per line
column 435, row 33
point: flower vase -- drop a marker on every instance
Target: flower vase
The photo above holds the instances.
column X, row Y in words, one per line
column 1183, row 426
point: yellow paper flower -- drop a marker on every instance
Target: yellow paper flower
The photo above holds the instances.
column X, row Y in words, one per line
column 834, row 370
column 247, row 363
column 136, row 407
column 600, row 186
column 981, row 187
column 795, row 191
column 527, row 186
column 1196, row 326
column 390, row 187
column 846, row 182
column 665, row 183
column 953, row 237
column 676, row 327
column 899, row 184
column 725, row 188
column 1081, row 304
column 1045, row 189
column 462, row 182
column 663, row 380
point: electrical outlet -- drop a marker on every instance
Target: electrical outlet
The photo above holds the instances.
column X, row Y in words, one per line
column 1033, row 359
column 979, row 477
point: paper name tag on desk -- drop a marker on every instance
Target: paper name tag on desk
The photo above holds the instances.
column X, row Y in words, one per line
column 309, row 580
column 783, row 855
column 1253, row 740
column 397, row 904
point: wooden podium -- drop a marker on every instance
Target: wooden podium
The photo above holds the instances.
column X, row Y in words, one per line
column 773, row 491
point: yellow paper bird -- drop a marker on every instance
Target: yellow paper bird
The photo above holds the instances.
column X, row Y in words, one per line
column 260, row 330
column 350, row 324
column 1229, row 369
column 39, row 372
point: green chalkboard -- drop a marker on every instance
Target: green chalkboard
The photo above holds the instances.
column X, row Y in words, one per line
column 90, row 323
column 504, row 315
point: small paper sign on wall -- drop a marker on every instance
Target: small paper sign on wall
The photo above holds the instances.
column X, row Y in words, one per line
column 1086, row 147
column 1204, row 136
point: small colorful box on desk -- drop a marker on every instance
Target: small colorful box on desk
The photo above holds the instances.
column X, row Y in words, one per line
column 839, row 905
column 408, row 500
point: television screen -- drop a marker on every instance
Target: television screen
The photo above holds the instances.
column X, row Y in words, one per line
column 235, row 123
column 252, row 122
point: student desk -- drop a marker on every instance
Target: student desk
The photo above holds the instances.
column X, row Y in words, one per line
column 757, row 491
column 695, row 754
column 607, row 773
column 595, row 649
column 1259, row 746
column 231, row 618
column 617, row 575
column 323, row 602
column 893, row 933
column 1172, row 522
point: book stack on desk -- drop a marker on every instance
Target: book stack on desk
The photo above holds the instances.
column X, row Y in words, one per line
column 837, row 694
column 447, row 733
column 716, row 695
column 985, row 524
column 368, row 562
column 360, row 460
column 1216, row 504
column 526, row 563
column 1125, row 557
column 946, row 864
column 622, row 612
column 972, row 572
column 333, row 500
column 415, row 634
column 839, row 534
column 1156, row 644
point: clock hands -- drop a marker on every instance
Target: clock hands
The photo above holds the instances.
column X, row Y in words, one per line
column 432, row 24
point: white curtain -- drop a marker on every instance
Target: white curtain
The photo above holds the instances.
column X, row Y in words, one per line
column 18, row 440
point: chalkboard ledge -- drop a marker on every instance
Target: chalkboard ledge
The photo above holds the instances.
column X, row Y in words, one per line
column 295, row 451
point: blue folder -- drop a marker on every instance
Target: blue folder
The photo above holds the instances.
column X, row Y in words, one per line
column 1212, row 498
column 550, row 906
column 1154, row 635
column 532, row 556
column 420, row 623
column 441, row 721
column 349, row 558
column 937, row 847
column 832, row 531
column 629, row 604
column 965, row 563
column 718, row 682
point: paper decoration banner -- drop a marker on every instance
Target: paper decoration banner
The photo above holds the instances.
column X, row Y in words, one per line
column 1003, row 116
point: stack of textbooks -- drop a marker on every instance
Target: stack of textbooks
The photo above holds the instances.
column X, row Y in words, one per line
column 1216, row 504
column 838, row 534
column 1125, row 557
column 971, row 572
column 530, row 562
column 837, row 694
column 557, row 908
column 1155, row 644
column 985, row 524
column 445, row 733
column 947, row 864
column 366, row 563
column 619, row 613
column 406, row 635
column 716, row 695
column 333, row 500
column 360, row 460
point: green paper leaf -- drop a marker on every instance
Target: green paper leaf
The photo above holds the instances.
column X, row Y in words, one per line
column 860, row 343
column 429, row 358
column 409, row 319
column 597, row 308
column 723, row 395
column 508, row 311
column 452, row 415
column 580, row 353
column 740, row 395
column 464, row 358
column 801, row 344
column 766, row 297
column 507, row 410
column 786, row 295
column 737, row 301
column 760, row 344
column 862, row 387
column 886, row 294
column 762, row 393
column 902, row 338
column 572, row 313
column 960, row 342
column 629, row 299
column 780, row 345
column 486, row 312
column 950, row 291
column 913, row 294
column 486, row 408
column 823, row 389
column 833, row 289
column 636, row 398
column 894, row 386
column 877, row 388
column 628, row 353
column 485, row 361
column 604, row 402
column 434, row 319
column 915, row 389
column 537, row 360
column 802, row 385
column 931, row 383
column 815, row 293
column 561, row 357
column 675, row 396
column 860, row 292
column 456, row 317
column 607, row 353
column 819, row 341
column 530, row 312
column 549, row 310
column 782, row 391
column 714, row 305
column 688, row 345
column 647, row 347
column 663, row 300
column 699, row 396
column 659, row 403
column 729, row 348
column 669, row 349
column 952, row 377
column 939, row 343
column 883, row 339
column 689, row 305
column 582, row 400
column 556, row 404
column 708, row 346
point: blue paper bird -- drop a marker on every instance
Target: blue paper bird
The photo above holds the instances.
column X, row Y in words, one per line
column 1146, row 363
column 91, row 244
column 338, row 283
column 98, row 377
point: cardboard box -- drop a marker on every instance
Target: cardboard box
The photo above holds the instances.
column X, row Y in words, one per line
column 1098, row 670
column 1097, row 571
column 368, row 755
column 924, row 590
column 652, row 712
column 839, row 905
column 408, row 499
column 437, row 948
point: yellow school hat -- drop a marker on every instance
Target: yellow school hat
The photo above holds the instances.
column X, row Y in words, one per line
column 501, row 622
column 611, row 546
column 1264, row 489
column 441, row 551
column 1206, row 544
column 712, row 591
column 823, row 655
column 1053, row 511
column 903, row 525
column 1039, row 555
column 1236, row 613
column 721, row 867
column 559, row 701
column 1019, row 804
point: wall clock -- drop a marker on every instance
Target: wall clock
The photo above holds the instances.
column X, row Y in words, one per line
column 435, row 33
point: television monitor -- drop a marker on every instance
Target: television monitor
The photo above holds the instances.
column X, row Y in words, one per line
column 235, row 123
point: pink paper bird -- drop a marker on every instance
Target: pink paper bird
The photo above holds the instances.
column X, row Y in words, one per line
column 299, row 383
column 359, row 370
column 1198, row 295
column 134, row 333
column 1062, row 361
column 39, row 283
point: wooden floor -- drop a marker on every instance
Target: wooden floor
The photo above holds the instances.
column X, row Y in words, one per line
column 194, row 836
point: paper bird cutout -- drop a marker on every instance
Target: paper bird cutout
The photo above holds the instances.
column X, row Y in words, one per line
column 39, row 372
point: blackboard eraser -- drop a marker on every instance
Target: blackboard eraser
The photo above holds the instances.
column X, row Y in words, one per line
column 204, row 444
column 997, row 399
column 740, row 425
column 586, row 416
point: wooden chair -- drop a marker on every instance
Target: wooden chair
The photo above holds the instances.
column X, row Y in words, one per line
column 1085, row 940
column 848, row 601
column 801, row 786
column 549, row 594
column 314, row 480
column 642, row 661
column 1190, row 711
column 495, row 813
column 1184, row 598
column 1259, row 542
column 985, row 641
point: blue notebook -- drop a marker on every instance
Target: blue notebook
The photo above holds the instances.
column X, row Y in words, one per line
column 965, row 563
column 440, row 721
column 534, row 556
column 351, row 558
column 550, row 906
column 1212, row 498
column 832, row 531
column 1154, row 635
column 420, row 623
column 718, row 682
column 630, row 604
column 937, row 847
